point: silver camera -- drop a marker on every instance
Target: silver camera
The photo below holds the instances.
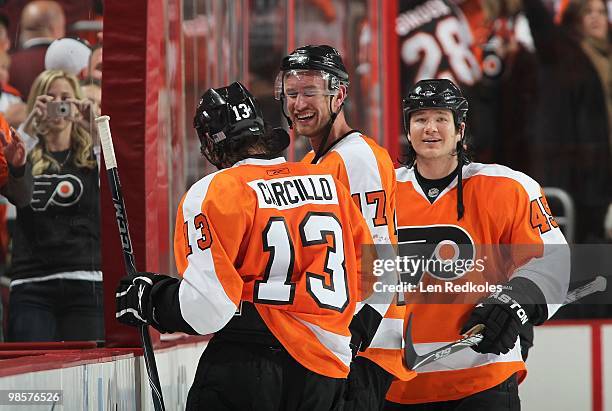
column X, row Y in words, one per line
column 57, row 109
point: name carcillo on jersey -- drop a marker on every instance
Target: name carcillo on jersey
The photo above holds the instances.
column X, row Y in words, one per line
column 291, row 192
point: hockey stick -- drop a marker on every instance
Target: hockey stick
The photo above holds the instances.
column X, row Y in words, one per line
column 103, row 123
column 474, row 337
column 597, row 285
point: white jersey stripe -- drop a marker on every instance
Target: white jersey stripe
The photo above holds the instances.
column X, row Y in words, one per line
column 203, row 301
column 337, row 344
column 364, row 177
column 68, row 275
column 389, row 334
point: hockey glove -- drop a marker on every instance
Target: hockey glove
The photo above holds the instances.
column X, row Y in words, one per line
column 363, row 327
column 133, row 299
column 503, row 317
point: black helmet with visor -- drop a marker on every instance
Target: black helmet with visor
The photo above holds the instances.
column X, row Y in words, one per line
column 311, row 63
column 435, row 93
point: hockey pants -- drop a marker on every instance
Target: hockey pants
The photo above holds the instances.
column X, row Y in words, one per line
column 246, row 376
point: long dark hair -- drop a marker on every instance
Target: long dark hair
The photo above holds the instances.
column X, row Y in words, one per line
column 571, row 18
column 228, row 152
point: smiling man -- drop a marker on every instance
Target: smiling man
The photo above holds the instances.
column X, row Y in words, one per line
column 444, row 199
column 312, row 87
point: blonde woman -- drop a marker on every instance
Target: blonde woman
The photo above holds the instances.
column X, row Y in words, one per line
column 56, row 288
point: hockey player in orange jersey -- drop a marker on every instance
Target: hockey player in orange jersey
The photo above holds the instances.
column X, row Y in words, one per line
column 443, row 199
column 270, row 255
column 312, row 86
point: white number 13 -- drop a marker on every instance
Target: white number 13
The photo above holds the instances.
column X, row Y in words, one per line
column 277, row 288
column 246, row 111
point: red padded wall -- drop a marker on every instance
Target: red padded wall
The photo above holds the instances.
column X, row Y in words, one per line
column 133, row 39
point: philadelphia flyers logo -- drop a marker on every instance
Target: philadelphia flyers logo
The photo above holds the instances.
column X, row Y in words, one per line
column 56, row 190
column 439, row 250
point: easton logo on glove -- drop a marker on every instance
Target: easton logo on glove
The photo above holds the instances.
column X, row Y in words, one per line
column 514, row 305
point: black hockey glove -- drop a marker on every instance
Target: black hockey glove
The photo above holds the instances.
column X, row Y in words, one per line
column 503, row 317
column 363, row 326
column 134, row 305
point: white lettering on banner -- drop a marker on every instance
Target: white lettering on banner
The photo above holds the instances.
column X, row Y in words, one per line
column 291, row 192
column 420, row 15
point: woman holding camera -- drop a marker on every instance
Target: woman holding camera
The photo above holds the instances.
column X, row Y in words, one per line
column 56, row 287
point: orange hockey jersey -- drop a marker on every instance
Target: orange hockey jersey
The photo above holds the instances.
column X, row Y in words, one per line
column 502, row 206
column 367, row 170
column 283, row 236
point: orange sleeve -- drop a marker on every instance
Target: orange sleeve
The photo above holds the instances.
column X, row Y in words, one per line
column 4, row 128
column 210, row 227
column 182, row 249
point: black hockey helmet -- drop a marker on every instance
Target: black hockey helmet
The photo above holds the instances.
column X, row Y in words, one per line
column 229, row 122
column 225, row 119
column 435, row 93
column 324, row 59
column 320, row 57
column 227, row 113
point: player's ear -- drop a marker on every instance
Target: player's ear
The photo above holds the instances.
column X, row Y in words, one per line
column 340, row 96
column 461, row 131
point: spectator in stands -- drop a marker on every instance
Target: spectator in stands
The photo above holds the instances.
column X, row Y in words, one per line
column 69, row 55
column 92, row 90
column 56, row 288
column 572, row 121
column 95, row 62
column 506, row 93
column 572, row 129
column 14, row 186
column 12, row 112
column 11, row 105
column 5, row 39
column 42, row 21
